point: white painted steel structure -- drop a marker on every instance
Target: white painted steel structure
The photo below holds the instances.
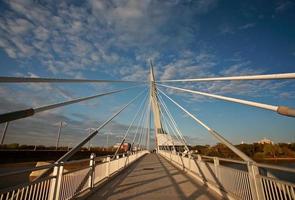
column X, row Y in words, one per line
column 236, row 78
column 278, row 109
column 232, row 182
column 63, row 184
column 249, row 181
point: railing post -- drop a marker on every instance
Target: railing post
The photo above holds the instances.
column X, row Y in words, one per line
column 189, row 161
column 118, row 162
column 123, row 160
column 108, row 166
column 216, row 166
column 199, row 157
column 91, row 171
column 55, row 185
column 255, row 183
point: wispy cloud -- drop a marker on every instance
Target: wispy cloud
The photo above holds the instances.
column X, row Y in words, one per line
column 206, row 67
column 247, row 26
column 89, row 35
column 114, row 39
column 283, row 6
column 229, row 29
column 226, row 29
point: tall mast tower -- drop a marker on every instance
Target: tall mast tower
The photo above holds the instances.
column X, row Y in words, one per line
column 162, row 139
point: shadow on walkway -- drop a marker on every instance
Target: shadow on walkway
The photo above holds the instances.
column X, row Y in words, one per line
column 153, row 178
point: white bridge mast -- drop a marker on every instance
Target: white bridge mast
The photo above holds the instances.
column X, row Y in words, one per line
column 162, row 138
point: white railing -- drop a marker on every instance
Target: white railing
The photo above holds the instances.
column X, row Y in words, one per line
column 38, row 189
column 64, row 183
column 236, row 179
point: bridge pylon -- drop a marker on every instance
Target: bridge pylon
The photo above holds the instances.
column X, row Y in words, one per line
column 163, row 140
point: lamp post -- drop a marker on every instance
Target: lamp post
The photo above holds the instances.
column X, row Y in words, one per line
column 110, row 133
column 4, row 132
column 89, row 132
column 58, row 133
column 69, row 146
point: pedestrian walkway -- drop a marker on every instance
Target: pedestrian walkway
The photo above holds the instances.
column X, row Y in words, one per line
column 153, row 177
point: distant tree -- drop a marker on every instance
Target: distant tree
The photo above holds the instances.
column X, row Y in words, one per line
column 292, row 146
column 24, row 146
column 248, row 149
column 258, row 147
column 13, row 146
column 272, row 150
column 258, row 156
column 202, row 149
column 287, row 152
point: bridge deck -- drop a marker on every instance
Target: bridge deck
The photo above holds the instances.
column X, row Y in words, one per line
column 153, row 178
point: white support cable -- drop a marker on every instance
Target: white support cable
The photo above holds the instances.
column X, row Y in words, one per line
column 175, row 127
column 138, row 125
column 165, row 127
column 174, row 131
column 145, row 134
column 144, row 129
column 211, row 131
column 148, row 127
column 139, row 138
column 173, row 122
column 169, row 127
column 236, row 78
column 168, row 132
column 5, row 79
column 48, row 107
column 282, row 110
column 235, row 100
column 143, row 126
column 133, row 120
column 66, row 156
column 31, row 111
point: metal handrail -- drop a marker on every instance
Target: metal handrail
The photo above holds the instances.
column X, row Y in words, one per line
column 29, row 169
column 225, row 159
column 49, row 166
column 275, row 167
column 76, row 161
column 75, row 170
column 236, row 183
column 262, row 165
column 53, row 185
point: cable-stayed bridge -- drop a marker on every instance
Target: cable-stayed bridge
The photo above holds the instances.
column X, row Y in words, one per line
column 172, row 171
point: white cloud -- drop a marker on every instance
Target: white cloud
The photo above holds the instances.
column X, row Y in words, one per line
column 19, row 26
column 284, row 5
column 247, row 26
column 226, row 29
column 41, row 33
column 66, row 38
column 189, row 65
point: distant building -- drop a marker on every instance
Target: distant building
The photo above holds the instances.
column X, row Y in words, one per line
column 125, row 146
column 265, row 141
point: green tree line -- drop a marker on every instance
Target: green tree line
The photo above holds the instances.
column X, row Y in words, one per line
column 256, row 151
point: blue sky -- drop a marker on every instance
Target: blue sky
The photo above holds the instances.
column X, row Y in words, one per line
column 114, row 40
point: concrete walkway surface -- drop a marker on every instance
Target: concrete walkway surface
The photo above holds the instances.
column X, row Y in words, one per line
column 153, row 177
